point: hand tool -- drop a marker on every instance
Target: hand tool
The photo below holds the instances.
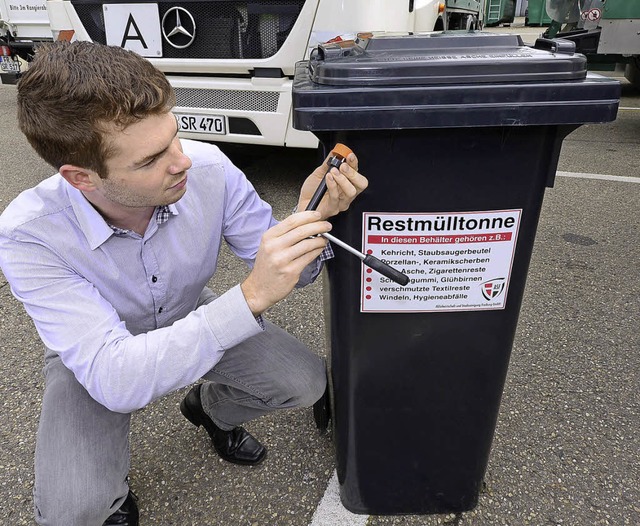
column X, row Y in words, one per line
column 339, row 155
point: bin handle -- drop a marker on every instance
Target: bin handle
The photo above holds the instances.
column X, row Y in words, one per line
column 335, row 50
column 556, row 45
column 317, row 55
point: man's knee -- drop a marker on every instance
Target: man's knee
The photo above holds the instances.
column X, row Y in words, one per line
column 303, row 388
column 317, row 383
column 75, row 506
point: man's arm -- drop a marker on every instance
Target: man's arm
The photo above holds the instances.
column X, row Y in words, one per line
column 285, row 251
column 121, row 371
column 288, row 248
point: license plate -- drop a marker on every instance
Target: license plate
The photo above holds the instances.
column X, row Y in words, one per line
column 210, row 124
column 8, row 65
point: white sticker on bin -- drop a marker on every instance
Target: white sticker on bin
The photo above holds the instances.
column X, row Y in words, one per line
column 457, row 261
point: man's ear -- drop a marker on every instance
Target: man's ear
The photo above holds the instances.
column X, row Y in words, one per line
column 80, row 178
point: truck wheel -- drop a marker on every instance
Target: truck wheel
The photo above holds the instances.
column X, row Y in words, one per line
column 632, row 72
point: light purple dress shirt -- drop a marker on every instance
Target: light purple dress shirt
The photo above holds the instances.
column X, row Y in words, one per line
column 120, row 309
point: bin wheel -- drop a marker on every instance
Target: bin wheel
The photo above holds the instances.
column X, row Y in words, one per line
column 322, row 411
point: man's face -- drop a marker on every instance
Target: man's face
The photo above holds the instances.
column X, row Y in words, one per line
column 148, row 167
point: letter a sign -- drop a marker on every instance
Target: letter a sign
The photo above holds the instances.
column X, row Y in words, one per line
column 135, row 27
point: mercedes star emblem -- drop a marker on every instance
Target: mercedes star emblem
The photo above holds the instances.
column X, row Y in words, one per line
column 178, row 33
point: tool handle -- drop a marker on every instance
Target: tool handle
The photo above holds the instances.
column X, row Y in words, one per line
column 322, row 187
column 318, row 195
column 338, row 156
column 386, row 270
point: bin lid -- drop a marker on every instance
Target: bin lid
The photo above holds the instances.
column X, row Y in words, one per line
column 444, row 58
column 448, row 79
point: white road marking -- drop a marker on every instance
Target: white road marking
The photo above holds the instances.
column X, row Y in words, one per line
column 618, row 178
column 331, row 512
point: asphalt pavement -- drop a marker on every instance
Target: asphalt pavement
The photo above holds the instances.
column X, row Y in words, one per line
column 565, row 451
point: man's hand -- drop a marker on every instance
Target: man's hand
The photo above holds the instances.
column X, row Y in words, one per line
column 342, row 187
column 285, row 250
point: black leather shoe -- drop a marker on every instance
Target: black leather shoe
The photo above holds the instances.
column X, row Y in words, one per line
column 236, row 446
column 127, row 514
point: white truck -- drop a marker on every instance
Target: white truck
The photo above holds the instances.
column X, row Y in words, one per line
column 22, row 22
column 231, row 62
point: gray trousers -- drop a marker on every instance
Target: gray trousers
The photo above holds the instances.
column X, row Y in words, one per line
column 82, row 448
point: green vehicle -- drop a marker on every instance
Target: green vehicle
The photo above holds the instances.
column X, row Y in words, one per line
column 499, row 12
column 606, row 31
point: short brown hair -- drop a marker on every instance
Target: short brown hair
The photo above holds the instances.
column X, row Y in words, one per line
column 73, row 93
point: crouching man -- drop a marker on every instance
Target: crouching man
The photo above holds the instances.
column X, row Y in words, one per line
column 111, row 257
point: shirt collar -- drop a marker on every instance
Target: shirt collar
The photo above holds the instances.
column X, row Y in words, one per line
column 94, row 227
column 161, row 215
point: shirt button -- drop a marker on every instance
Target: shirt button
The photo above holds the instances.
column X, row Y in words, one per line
column 154, row 278
column 160, row 310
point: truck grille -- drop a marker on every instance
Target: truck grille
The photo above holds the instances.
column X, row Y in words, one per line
column 227, row 99
column 243, row 29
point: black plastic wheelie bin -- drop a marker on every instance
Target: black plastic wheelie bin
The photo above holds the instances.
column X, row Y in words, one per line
column 459, row 134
